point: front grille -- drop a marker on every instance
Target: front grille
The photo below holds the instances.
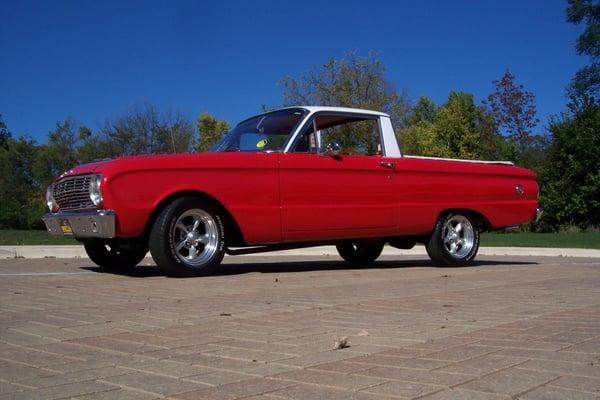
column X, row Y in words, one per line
column 73, row 193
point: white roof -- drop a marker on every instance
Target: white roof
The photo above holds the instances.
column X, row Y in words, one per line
column 313, row 109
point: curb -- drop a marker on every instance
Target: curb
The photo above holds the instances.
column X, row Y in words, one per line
column 52, row 251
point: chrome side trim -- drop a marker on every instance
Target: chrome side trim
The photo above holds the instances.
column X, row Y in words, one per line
column 85, row 224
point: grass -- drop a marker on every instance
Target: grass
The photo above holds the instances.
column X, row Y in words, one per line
column 12, row 237
column 584, row 240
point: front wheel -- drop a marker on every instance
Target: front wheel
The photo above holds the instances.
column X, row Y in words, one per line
column 187, row 238
column 115, row 256
column 360, row 252
column 454, row 242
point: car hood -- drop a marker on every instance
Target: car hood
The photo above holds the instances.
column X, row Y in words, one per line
column 171, row 161
column 94, row 166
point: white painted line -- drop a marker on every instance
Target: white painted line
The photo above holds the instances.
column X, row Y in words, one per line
column 8, row 252
column 45, row 273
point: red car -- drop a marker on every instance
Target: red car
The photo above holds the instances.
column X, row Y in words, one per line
column 291, row 178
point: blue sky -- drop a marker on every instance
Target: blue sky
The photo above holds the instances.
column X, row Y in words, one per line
column 91, row 60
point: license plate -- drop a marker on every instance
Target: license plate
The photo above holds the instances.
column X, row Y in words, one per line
column 65, row 226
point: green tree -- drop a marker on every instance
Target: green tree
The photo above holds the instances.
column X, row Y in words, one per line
column 420, row 139
column 143, row 129
column 93, row 146
column 19, row 198
column 351, row 81
column 457, row 129
column 457, row 126
column 571, row 182
column 424, row 110
column 513, row 109
column 59, row 154
column 5, row 135
column 585, row 86
column 211, row 130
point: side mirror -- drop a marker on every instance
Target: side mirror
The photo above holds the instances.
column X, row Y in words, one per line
column 333, row 149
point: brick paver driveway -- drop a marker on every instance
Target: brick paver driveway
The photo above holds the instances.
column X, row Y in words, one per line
column 508, row 327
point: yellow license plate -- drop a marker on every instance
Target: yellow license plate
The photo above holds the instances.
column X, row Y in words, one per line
column 65, row 226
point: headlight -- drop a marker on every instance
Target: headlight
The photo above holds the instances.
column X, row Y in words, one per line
column 95, row 192
column 50, row 202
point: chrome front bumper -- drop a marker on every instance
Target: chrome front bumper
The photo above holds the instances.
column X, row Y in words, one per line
column 81, row 224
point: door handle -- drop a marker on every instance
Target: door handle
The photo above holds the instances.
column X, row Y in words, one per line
column 388, row 164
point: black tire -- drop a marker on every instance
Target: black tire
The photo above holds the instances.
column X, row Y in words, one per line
column 452, row 247
column 111, row 255
column 360, row 252
column 166, row 235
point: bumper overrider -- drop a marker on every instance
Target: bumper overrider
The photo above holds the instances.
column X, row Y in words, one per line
column 81, row 224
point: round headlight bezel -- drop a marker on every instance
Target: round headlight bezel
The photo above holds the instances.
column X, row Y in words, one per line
column 95, row 190
column 50, row 201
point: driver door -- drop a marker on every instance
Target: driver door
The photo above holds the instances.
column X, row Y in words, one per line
column 346, row 195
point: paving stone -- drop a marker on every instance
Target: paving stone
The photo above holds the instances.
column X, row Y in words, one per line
column 334, row 379
column 522, row 344
column 317, row 358
column 460, row 353
column 404, row 389
column 218, row 378
column 404, row 352
column 303, row 392
column 590, row 346
column 482, row 365
column 410, row 330
column 548, row 355
column 37, row 358
column 578, row 383
column 153, row 383
column 510, row 382
column 554, row 393
column 164, row 367
column 252, row 355
column 116, row 345
column 6, row 387
column 563, row 367
column 457, row 394
column 414, row 375
column 237, row 389
column 62, row 348
column 15, row 372
column 72, row 377
column 416, row 363
column 342, row 366
column 442, row 344
column 61, row 391
column 249, row 367
column 119, row 394
column 570, row 337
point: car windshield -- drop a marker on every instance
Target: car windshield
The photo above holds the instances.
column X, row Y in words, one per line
column 266, row 132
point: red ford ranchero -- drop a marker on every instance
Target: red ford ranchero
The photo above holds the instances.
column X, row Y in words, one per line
column 290, row 178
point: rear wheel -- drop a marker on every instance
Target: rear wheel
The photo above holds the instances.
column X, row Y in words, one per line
column 114, row 255
column 188, row 238
column 360, row 252
column 455, row 240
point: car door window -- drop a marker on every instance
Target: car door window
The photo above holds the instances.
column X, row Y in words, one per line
column 356, row 135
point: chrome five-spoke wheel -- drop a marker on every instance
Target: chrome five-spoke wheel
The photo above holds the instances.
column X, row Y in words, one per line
column 188, row 238
column 458, row 236
column 196, row 236
column 454, row 241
